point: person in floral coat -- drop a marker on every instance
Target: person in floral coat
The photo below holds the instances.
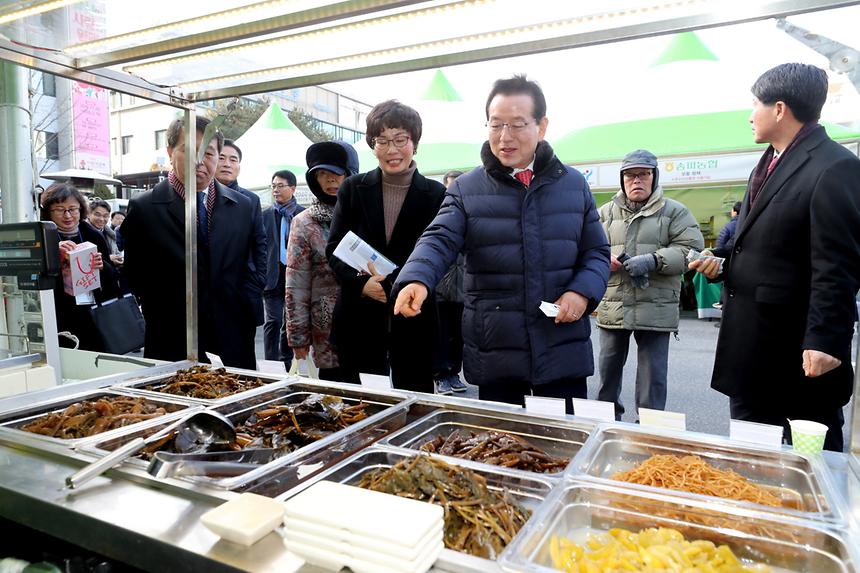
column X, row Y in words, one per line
column 312, row 288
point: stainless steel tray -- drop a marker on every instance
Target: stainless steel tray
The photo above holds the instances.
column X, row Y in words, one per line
column 11, row 421
column 528, row 490
column 386, row 413
column 801, row 482
column 578, row 508
column 556, row 438
column 149, row 386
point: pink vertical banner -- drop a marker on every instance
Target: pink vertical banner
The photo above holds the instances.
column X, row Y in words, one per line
column 92, row 127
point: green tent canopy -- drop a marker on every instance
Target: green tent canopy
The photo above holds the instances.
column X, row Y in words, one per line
column 685, row 47
column 683, row 134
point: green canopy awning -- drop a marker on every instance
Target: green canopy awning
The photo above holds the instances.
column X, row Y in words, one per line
column 683, row 134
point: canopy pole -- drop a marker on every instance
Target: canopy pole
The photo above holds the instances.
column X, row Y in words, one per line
column 191, row 296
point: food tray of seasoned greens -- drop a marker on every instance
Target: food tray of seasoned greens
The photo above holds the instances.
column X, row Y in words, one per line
column 591, row 526
column 521, row 443
column 87, row 417
column 701, row 466
column 297, row 423
column 485, row 507
column 203, row 384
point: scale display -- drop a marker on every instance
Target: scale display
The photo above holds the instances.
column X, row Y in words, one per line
column 30, row 251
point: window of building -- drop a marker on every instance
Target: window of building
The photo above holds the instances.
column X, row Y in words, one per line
column 113, row 145
column 161, row 139
column 47, row 145
column 126, row 144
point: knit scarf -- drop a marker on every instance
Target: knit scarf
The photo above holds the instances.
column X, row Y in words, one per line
column 760, row 174
column 288, row 209
column 179, row 186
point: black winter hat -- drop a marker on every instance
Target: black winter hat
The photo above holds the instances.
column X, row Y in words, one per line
column 336, row 156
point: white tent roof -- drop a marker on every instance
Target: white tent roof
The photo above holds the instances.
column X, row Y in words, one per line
column 271, row 144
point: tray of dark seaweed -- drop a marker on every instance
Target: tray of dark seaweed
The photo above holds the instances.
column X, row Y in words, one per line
column 531, row 445
column 300, row 422
column 88, row 417
column 485, row 507
column 203, row 384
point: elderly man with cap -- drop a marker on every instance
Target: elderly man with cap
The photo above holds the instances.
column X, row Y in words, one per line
column 649, row 235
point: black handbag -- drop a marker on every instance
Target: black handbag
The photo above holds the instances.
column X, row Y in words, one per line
column 119, row 324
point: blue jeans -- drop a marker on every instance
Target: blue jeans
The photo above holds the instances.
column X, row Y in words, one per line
column 651, row 373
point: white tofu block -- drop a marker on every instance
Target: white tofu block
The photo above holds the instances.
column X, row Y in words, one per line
column 246, row 519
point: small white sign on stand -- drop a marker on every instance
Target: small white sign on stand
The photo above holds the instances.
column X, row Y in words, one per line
column 542, row 406
column 215, row 360
column 272, row 367
column 661, row 419
column 375, row 381
column 594, row 409
column 761, row 434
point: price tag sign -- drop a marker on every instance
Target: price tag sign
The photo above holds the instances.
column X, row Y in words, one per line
column 272, row 367
column 594, row 409
column 661, row 419
column 215, row 360
column 541, row 406
column 753, row 432
column 375, row 381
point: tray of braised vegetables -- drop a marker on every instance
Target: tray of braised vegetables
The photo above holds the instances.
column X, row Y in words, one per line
column 204, row 384
column 296, row 422
column 519, row 444
column 89, row 417
column 485, row 507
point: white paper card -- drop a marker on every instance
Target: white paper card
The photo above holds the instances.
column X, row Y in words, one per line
column 272, row 367
column 215, row 360
column 661, row 419
column 375, row 381
column 355, row 252
column 542, row 406
column 549, row 309
column 762, row 434
column 594, row 409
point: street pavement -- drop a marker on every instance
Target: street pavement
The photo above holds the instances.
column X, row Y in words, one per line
column 691, row 360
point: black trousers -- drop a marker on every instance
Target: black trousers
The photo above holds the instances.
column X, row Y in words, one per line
column 449, row 353
column 515, row 392
column 778, row 414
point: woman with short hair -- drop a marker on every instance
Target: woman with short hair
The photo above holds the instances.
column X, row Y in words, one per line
column 65, row 206
column 388, row 207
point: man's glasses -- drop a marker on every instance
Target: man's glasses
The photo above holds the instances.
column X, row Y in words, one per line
column 633, row 175
column 279, row 186
column 399, row 142
column 71, row 211
column 514, row 127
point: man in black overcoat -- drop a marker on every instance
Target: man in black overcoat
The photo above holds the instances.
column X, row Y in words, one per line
column 791, row 277
column 154, row 234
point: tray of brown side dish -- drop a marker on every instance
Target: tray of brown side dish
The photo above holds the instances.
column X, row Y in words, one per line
column 203, row 384
column 531, row 445
column 702, row 466
column 580, row 509
column 88, row 417
column 311, row 425
column 488, row 505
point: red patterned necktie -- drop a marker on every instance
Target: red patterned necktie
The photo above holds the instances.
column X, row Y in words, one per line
column 525, row 176
column 772, row 164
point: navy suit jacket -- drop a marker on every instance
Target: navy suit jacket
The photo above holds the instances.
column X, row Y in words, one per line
column 272, row 226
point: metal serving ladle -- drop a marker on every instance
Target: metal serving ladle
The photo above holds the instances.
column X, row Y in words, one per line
column 211, row 464
column 194, row 433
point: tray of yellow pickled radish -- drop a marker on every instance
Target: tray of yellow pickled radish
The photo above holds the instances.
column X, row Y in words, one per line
column 591, row 527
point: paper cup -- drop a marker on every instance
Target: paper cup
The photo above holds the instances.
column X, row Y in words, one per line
column 807, row 436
